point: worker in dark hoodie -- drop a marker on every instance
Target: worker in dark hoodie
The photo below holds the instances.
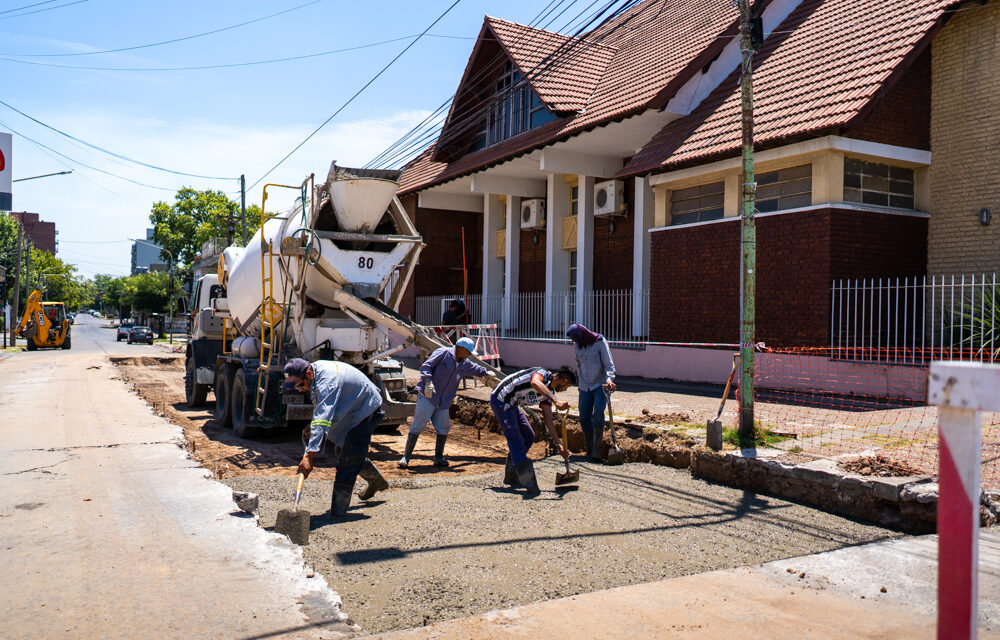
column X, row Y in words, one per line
column 595, row 371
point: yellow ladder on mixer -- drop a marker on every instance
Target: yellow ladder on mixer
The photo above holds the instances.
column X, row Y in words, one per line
column 271, row 312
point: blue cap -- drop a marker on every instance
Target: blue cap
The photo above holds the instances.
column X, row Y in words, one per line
column 296, row 367
column 467, row 344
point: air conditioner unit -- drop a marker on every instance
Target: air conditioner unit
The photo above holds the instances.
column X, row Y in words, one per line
column 609, row 198
column 533, row 213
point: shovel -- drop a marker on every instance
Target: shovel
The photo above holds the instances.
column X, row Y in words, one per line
column 615, row 455
column 571, row 476
column 292, row 522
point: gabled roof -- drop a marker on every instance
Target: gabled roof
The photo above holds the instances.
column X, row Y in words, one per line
column 821, row 70
column 657, row 45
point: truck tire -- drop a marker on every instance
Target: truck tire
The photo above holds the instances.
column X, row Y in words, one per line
column 31, row 344
column 67, row 342
column 223, row 397
column 194, row 393
column 242, row 405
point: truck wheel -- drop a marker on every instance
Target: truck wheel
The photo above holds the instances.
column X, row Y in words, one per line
column 67, row 343
column 194, row 393
column 242, row 405
column 223, row 397
column 31, row 345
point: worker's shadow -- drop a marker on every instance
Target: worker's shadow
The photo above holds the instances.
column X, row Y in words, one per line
column 555, row 494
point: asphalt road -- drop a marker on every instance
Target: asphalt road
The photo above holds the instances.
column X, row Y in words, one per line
column 108, row 530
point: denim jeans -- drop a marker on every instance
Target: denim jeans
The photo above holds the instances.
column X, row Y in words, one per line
column 516, row 430
column 351, row 456
column 592, row 405
column 425, row 411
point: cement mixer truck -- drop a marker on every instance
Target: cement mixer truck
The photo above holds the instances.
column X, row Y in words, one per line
column 323, row 281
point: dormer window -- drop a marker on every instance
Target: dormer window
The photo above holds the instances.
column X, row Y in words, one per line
column 513, row 109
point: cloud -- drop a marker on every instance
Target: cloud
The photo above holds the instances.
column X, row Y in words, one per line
column 89, row 207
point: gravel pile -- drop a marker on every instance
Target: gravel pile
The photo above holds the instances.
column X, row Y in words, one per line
column 435, row 549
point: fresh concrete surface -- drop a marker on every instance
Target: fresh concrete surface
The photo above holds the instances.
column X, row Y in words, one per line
column 837, row 595
column 108, row 530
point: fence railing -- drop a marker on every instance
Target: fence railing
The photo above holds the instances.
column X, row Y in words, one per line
column 914, row 319
column 547, row 315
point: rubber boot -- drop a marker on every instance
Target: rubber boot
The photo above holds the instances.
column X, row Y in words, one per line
column 411, row 441
column 588, row 440
column 509, row 475
column 439, row 460
column 598, row 444
column 526, row 476
column 341, row 499
column 374, row 479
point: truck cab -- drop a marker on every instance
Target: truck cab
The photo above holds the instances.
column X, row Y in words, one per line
column 205, row 337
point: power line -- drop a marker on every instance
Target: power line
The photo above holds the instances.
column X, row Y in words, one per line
column 111, row 153
column 28, row 13
column 229, row 65
column 358, row 92
column 163, row 42
column 28, row 6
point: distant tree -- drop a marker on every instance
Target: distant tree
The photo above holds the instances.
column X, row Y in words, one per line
column 9, row 226
column 57, row 280
column 194, row 217
column 145, row 291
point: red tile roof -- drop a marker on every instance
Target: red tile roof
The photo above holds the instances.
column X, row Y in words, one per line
column 656, row 46
column 820, row 70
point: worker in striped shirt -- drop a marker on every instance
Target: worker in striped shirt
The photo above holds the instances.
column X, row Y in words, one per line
column 525, row 388
column 346, row 409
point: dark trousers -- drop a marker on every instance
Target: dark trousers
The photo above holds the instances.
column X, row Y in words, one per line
column 592, row 405
column 350, row 457
column 516, row 430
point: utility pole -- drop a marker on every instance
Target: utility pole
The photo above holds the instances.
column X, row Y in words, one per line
column 748, row 272
column 243, row 207
column 17, row 287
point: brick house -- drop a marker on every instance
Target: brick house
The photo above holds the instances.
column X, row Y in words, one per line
column 599, row 174
column 43, row 235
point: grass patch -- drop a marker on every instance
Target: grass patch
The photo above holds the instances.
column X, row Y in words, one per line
column 795, row 449
column 762, row 437
column 889, row 442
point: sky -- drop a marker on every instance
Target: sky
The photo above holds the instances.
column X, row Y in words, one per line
column 221, row 122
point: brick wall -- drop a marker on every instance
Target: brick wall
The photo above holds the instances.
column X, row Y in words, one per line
column 531, row 276
column 41, row 233
column 695, row 273
column 903, row 115
column 613, row 250
column 965, row 138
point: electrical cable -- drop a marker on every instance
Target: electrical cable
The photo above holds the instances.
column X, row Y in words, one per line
column 227, row 65
column 28, row 13
column 28, row 6
column 163, row 42
column 112, row 153
column 357, row 93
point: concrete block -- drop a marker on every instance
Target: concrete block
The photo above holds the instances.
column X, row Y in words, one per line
column 246, row 501
column 713, row 437
column 924, row 493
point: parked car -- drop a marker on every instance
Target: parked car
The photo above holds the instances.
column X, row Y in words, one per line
column 123, row 328
column 71, row 317
column 140, row 334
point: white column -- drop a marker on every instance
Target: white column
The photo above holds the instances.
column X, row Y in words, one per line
column 493, row 221
column 584, row 248
column 640, row 256
column 556, row 258
column 512, row 262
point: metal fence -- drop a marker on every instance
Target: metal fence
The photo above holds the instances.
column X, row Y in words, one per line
column 916, row 319
column 545, row 315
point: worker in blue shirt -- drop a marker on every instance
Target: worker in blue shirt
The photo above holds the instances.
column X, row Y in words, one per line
column 595, row 371
column 346, row 409
column 521, row 389
column 439, row 378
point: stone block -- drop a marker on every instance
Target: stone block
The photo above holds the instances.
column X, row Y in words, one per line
column 246, row 501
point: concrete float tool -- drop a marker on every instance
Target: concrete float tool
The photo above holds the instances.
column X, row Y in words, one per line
column 292, row 522
column 615, row 455
column 571, row 476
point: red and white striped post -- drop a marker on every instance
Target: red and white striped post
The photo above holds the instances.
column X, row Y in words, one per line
column 960, row 390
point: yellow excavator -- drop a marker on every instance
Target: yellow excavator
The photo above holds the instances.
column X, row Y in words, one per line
column 44, row 324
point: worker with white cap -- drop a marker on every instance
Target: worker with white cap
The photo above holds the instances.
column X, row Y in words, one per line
column 439, row 378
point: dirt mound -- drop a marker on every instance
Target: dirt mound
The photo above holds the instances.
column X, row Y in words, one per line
column 150, row 361
column 880, row 466
column 648, row 417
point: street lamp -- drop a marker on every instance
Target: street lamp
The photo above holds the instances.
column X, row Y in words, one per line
column 60, row 173
column 170, row 286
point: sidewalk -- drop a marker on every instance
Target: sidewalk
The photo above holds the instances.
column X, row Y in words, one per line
column 885, row 590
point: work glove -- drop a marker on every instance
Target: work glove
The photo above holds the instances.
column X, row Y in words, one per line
column 429, row 390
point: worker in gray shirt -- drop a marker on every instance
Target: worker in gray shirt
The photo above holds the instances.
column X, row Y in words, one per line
column 595, row 371
column 346, row 409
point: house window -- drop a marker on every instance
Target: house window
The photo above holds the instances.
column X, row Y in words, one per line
column 878, row 184
column 784, row 189
column 574, row 199
column 503, row 276
column 572, row 288
column 514, row 109
column 697, row 204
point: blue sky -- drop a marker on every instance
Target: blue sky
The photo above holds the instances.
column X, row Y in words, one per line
column 218, row 122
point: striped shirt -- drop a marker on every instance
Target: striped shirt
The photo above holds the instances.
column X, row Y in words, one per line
column 516, row 389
